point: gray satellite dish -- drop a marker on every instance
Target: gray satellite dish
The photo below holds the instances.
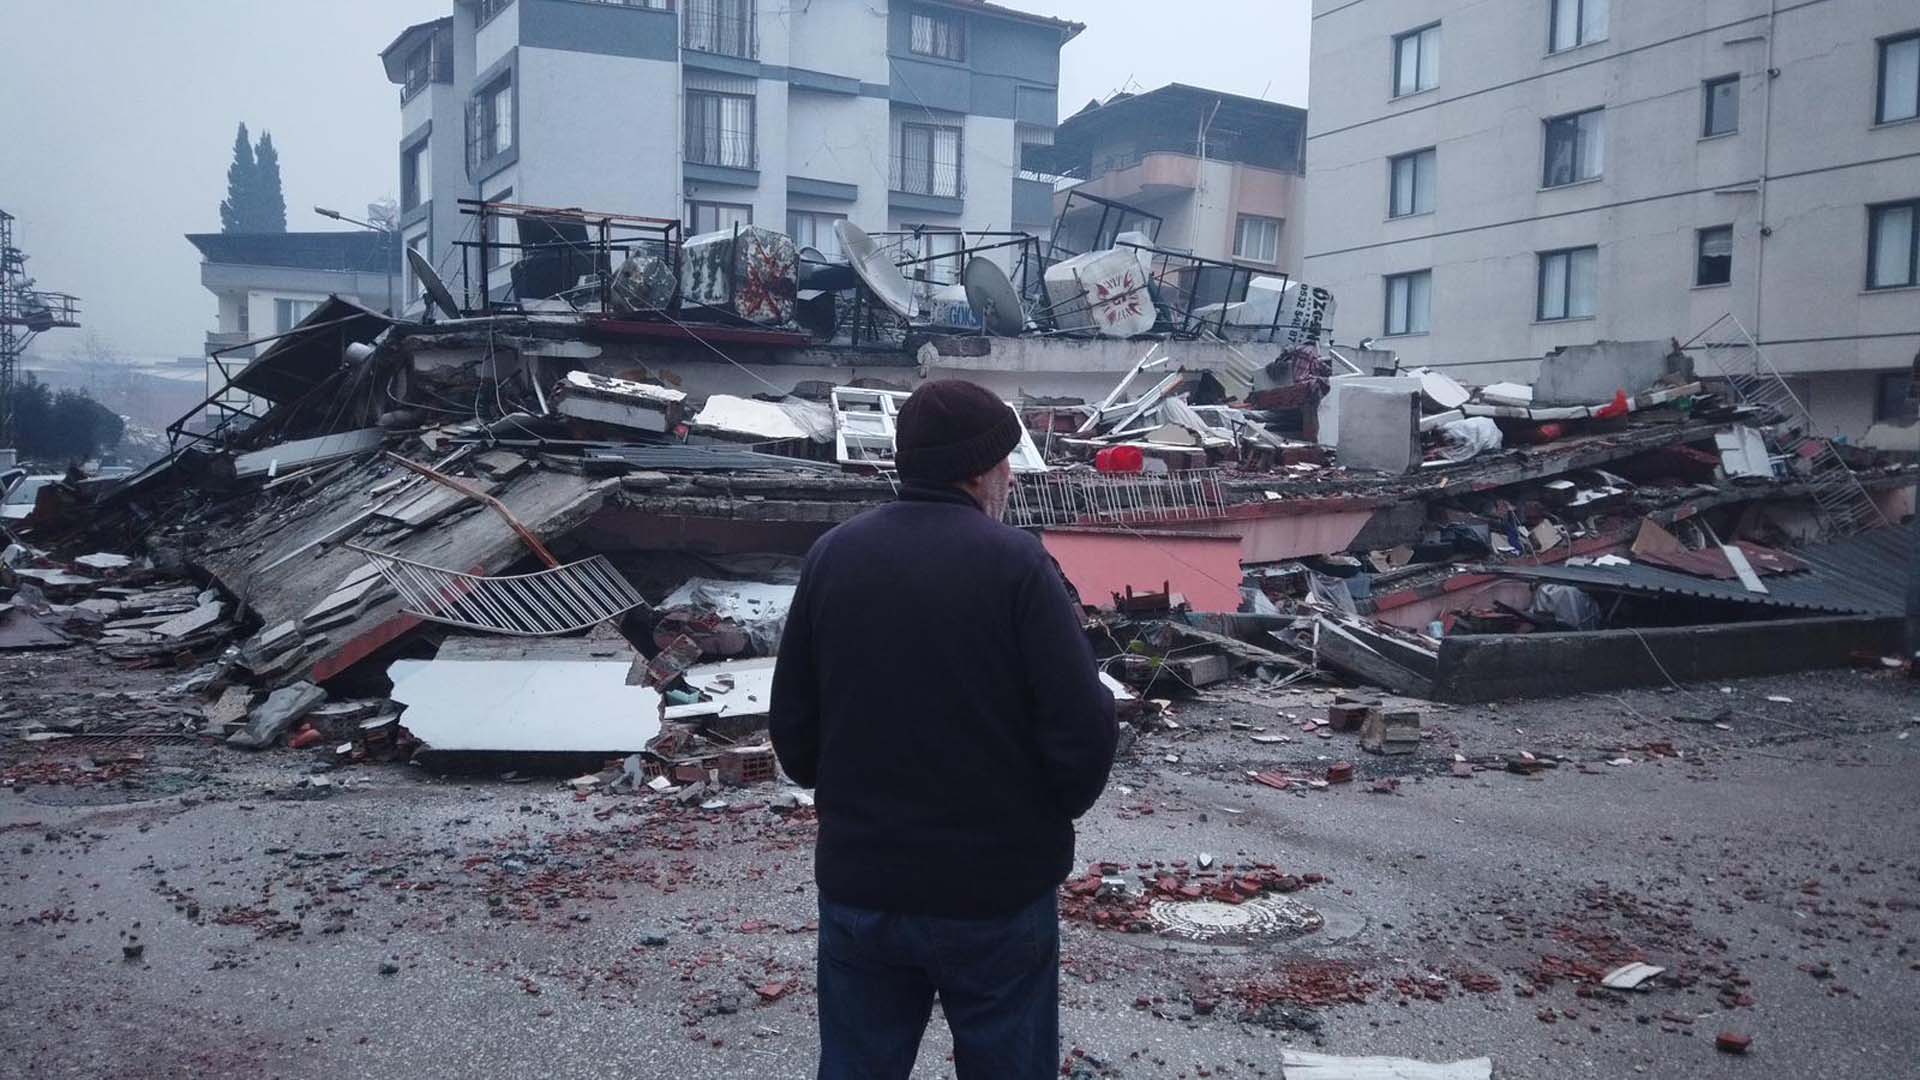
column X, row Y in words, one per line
column 875, row 270
column 992, row 298
column 430, row 281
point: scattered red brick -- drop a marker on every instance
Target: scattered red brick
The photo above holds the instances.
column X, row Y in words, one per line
column 1732, row 1042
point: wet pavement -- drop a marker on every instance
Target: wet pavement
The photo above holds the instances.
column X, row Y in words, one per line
column 170, row 908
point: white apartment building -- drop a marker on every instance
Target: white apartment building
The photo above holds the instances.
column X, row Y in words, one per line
column 1491, row 179
column 265, row 283
column 894, row 114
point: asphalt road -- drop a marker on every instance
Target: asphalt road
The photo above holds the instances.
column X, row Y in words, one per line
column 415, row 926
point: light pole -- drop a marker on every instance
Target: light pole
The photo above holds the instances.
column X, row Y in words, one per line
column 386, row 261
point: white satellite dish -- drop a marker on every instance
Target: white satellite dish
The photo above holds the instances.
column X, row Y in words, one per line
column 875, row 270
column 429, row 280
column 992, row 298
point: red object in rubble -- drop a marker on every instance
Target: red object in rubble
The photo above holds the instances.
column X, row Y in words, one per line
column 304, row 738
column 1542, row 433
column 1120, row 459
column 1615, row 409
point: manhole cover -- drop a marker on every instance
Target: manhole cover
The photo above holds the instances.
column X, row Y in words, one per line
column 1214, row 923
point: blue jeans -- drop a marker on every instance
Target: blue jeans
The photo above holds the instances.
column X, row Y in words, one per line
column 998, row 982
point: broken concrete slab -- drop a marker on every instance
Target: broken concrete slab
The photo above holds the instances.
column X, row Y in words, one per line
column 601, row 399
column 279, row 588
column 271, row 719
column 1379, row 428
column 536, row 695
column 1585, row 374
column 277, row 460
column 193, row 621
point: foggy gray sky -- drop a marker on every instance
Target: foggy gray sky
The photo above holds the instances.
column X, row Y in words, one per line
column 119, row 118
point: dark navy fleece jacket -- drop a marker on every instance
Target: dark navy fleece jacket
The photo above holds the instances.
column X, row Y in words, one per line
column 935, row 687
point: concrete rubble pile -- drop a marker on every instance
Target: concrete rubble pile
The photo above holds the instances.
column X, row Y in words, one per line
column 540, row 529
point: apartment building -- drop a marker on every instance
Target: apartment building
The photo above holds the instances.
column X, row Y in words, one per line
column 1224, row 173
column 895, row 114
column 1496, row 178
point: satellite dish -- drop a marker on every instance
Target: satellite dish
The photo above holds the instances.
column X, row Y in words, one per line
column 430, row 281
column 821, row 273
column 875, row 270
column 992, row 298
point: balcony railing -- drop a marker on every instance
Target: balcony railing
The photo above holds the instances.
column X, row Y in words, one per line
column 728, row 149
column 425, row 74
column 918, row 176
column 722, row 27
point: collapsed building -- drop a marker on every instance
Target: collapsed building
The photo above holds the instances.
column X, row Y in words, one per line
column 565, row 515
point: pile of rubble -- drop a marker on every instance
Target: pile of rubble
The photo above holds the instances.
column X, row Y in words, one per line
column 550, row 525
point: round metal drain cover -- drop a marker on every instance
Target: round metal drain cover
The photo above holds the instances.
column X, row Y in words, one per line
column 1211, row 922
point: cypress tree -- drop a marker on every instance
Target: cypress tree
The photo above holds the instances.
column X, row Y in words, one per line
column 236, row 210
column 270, row 203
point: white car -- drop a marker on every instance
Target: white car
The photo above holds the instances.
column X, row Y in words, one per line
column 20, row 497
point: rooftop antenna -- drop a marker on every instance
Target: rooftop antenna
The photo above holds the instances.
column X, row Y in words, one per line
column 25, row 313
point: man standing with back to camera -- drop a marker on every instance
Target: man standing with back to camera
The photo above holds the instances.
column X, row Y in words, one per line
column 936, row 688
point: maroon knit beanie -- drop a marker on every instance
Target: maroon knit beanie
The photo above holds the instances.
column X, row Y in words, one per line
column 953, row 430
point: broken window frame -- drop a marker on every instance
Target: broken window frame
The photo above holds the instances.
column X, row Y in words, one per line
column 1405, row 193
column 1574, row 23
column 1268, row 229
column 1572, row 261
column 722, row 129
column 1705, row 275
column 939, row 34
column 1884, row 241
column 1581, row 148
column 1416, row 60
column 1894, row 103
column 1415, row 299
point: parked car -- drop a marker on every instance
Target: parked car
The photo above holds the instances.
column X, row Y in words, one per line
column 20, row 497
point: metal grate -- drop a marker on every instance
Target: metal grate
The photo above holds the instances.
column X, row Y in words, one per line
column 1106, row 498
column 559, row 600
column 1731, row 353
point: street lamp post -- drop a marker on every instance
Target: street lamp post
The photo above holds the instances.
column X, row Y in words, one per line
column 387, row 262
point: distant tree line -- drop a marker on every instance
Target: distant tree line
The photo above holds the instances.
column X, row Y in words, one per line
column 62, row 427
column 254, row 202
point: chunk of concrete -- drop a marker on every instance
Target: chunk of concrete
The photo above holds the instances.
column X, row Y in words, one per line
column 1380, row 427
column 282, row 709
column 1590, row 374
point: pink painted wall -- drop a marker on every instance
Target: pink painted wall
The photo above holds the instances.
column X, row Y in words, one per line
column 1204, row 569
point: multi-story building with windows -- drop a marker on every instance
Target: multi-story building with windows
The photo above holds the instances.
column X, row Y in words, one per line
column 1492, row 179
column 895, row 114
column 1223, row 172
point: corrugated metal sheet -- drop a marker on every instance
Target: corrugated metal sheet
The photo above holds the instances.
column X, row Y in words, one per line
column 1865, row 574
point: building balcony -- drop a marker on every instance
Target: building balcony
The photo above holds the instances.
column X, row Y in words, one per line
column 1161, row 173
column 217, row 340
